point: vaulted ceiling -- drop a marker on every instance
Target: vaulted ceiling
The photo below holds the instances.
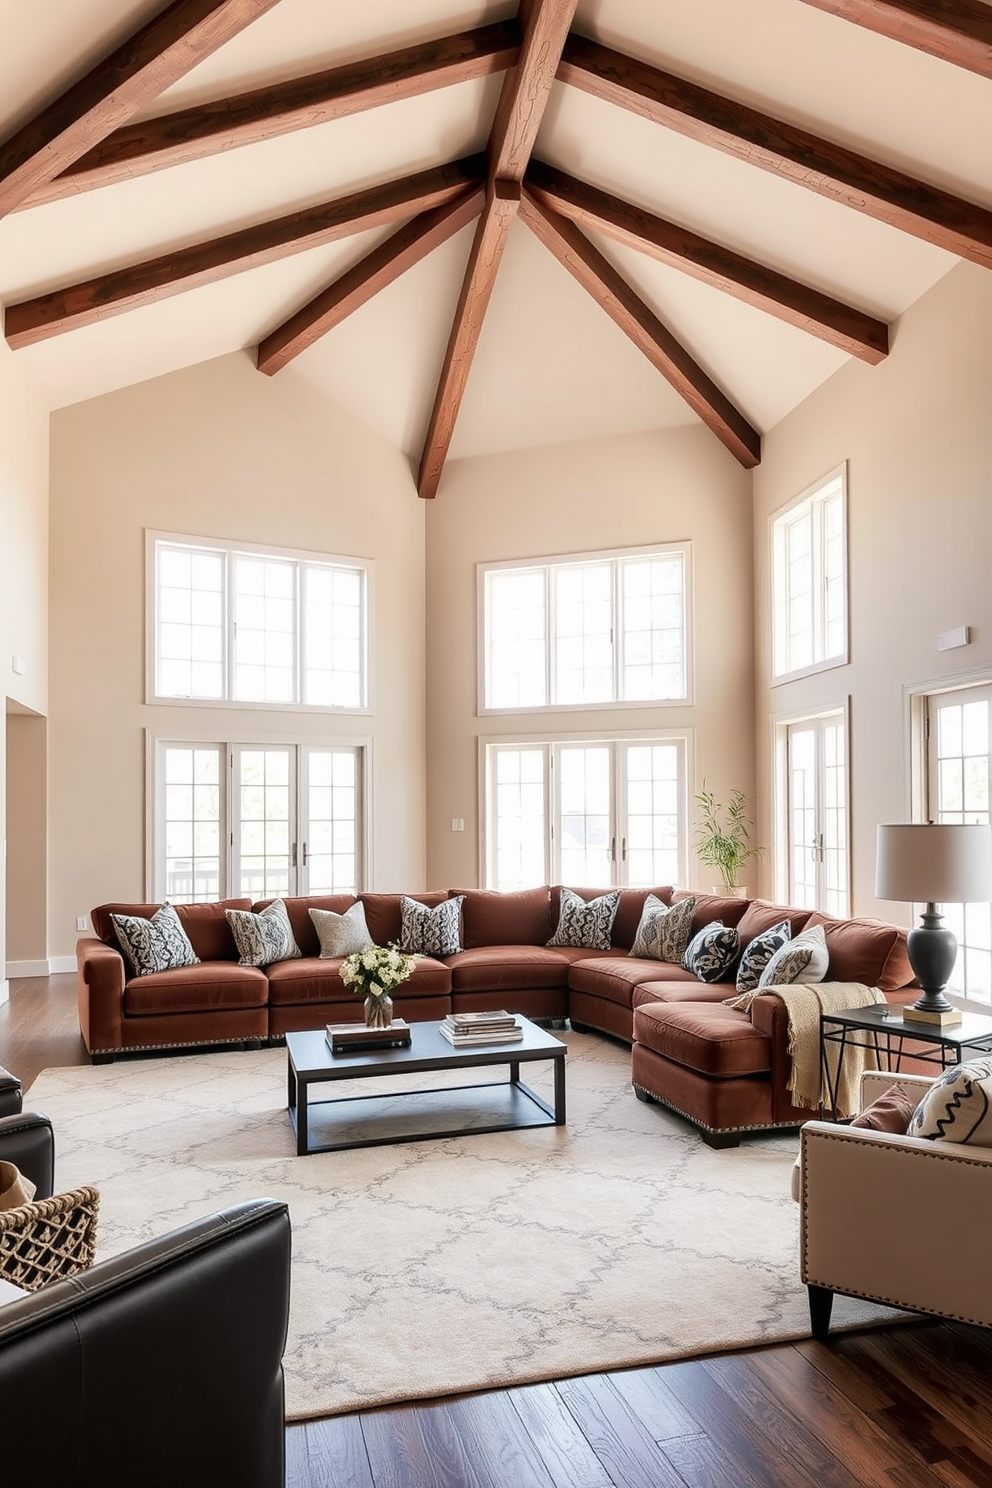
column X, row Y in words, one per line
column 480, row 226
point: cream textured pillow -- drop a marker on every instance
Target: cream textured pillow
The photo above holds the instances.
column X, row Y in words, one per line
column 664, row 931
column 341, row 934
column 958, row 1106
column 804, row 958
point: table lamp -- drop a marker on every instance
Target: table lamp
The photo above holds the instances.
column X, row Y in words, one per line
column 933, row 863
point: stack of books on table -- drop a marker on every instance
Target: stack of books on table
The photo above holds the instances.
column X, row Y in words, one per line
column 465, row 1029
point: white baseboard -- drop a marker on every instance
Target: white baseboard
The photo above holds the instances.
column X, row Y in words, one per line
column 4, row 991
column 59, row 964
column 50, row 967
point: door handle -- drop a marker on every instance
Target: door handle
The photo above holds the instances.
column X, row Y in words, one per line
column 306, row 855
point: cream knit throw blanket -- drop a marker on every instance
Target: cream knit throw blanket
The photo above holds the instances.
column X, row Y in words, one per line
column 804, row 1002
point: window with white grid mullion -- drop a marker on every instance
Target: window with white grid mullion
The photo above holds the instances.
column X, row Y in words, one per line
column 809, row 581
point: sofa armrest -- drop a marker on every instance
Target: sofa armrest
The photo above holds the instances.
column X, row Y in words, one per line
column 27, row 1141
column 894, row 1218
column 160, row 1366
column 100, row 983
column 10, row 1093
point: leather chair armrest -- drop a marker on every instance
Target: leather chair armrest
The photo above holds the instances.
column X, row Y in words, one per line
column 10, row 1093
column 27, row 1141
column 100, row 983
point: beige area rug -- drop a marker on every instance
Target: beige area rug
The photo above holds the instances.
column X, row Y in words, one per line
column 464, row 1263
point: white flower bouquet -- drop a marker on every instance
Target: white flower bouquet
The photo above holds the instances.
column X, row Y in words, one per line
column 377, row 971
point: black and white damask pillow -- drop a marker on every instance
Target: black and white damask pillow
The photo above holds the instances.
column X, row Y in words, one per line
column 431, row 932
column 586, row 926
column 804, row 958
column 758, row 952
column 158, row 944
column 264, row 937
column 712, row 951
column 664, row 931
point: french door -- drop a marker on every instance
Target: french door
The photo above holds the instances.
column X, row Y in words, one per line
column 257, row 820
column 818, row 814
column 958, row 769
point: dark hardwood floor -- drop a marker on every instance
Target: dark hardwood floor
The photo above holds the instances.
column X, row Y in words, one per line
column 902, row 1407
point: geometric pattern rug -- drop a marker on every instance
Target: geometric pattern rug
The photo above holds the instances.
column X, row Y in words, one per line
column 477, row 1262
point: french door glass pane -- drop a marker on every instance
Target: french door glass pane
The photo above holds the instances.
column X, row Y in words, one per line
column 192, row 798
column 584, row 815
column 190, row 612
column 264, row 630
column 520, row 830
column 331, row 829
column 802, row 817
column 653, row 628
column 334, row 626
column 959, row 783
column 518, row 632
column 652, row 827
column 834, row 898
column 584, row 633
column 264, row 805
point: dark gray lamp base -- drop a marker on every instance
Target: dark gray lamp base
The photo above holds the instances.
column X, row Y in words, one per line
column 932, row 952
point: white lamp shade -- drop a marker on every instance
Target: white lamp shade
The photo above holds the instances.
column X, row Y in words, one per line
column 929, row 862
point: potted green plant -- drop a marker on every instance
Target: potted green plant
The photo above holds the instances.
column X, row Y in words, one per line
column 723, row 838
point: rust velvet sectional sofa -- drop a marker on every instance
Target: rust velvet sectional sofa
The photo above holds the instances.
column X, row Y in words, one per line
column 725, row 1070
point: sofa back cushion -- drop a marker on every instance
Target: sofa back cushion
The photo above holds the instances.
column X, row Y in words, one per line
column 299, row 908
column 491, row 918
column 629, row 910
column 760, row 915
column 728, row 909
column 205, row 924
column 383, row 916
column 867, row 951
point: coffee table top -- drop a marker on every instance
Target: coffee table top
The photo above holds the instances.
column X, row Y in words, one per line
column 428, row 1050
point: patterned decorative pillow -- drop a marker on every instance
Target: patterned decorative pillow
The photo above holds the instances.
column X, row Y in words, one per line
column 958, row 1106
column 587, row 925
column 803, row 959
column 158, row 944
column 758, row 952
column 431, row 932
column 664, row 931
column 265, row 937
column 340, row 934
column 712, row 951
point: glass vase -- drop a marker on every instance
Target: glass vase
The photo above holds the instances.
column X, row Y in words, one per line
column 378, row 1011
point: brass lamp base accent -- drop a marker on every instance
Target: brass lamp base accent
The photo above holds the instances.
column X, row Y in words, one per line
column 940, row 1017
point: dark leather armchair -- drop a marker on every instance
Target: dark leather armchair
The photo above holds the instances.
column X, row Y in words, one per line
column 26, row 1138
column 161, row 1366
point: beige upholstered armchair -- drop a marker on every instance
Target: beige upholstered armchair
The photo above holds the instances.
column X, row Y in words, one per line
column 896, row 1219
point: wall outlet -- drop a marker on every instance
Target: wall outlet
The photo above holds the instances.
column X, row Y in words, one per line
column 458, row 824
column 80, row 922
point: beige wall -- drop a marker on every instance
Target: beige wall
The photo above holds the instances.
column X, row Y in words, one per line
column 23, row 583
column 216, row 450
column 613, row 493
column 27, row 846
column 916, row 432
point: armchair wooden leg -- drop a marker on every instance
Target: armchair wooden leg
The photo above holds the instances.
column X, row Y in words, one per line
column 821, row 1301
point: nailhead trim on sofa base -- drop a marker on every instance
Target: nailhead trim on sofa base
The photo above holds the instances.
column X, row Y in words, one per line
column 717, row 1131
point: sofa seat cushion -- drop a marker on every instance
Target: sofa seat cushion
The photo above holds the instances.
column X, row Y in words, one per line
column 686, row 990
column 704, row 1036
column 615, row 977
column 206, row 988
column 313, row 979
column 508, row 968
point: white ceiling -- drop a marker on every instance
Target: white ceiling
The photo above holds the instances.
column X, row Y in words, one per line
column 550, row 365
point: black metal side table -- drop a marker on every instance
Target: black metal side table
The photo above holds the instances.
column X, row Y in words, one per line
column 882, row 1028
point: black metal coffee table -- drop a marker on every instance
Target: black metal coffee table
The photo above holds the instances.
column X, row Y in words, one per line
column 882, row 1028
column 407, row 1115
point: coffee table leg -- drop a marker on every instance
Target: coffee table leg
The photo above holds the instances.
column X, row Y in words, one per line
column 302, row 1131
column 514, row 1071
column 559, row 1092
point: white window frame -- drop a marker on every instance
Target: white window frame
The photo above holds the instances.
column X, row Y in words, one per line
column 156, row 744
column 230, row 551
column 489, row 746
column 813, row 499
column 565, row 560
column 782, row 857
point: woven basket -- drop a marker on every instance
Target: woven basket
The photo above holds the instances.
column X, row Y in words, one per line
column 48, row 1239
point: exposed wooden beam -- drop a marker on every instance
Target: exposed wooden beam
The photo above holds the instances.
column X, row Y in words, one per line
column 185, row 268
column 841, row 325
column 958, row 31
column 392, row 258
column 526, row 90
column 298, row 103
column 844, row 176
column 637, row 320
column 137, row 71
column 502, row 202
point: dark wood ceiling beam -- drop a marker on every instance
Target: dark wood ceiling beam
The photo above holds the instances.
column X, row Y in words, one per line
column 957, row 31
column 382, row 266
column 298, row 103
column 798, row 304
column 608, row 288
column 157, row 55
column 525, row 91
column 832, row 171
column 154, row 279
column 502, row 202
